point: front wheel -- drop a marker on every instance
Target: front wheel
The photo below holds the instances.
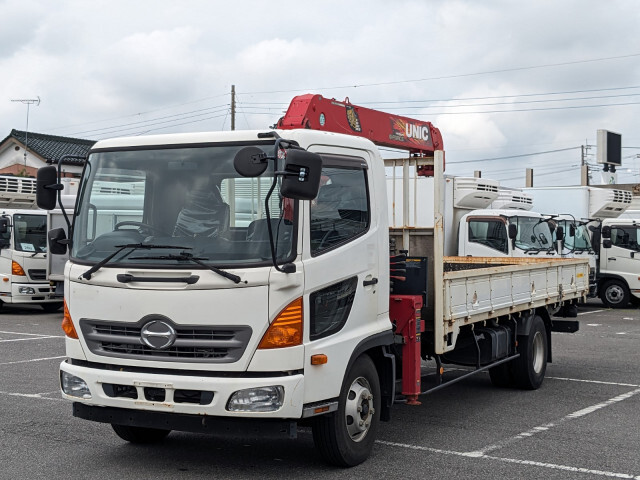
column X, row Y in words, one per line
column 140, row 435
column 615, row 294
column 529, row 368
column 345, row 438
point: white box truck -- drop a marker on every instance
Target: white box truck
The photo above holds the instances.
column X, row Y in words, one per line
column 596, row 212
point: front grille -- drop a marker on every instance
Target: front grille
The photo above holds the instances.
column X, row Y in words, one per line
column 37, row 274
column 223, row 344
column 153, row 394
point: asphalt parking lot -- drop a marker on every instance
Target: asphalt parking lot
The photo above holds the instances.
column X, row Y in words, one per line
column 583, row 423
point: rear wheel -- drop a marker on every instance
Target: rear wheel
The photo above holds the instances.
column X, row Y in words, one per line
column 51, row 307
column 140, row 435
column 615, row 294
column 529, row 368
column 345, row 438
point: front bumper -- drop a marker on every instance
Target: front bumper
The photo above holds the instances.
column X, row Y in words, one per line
column 155, row 392
column 42, row 293
column 187, row 423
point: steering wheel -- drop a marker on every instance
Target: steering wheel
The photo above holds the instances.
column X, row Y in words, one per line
column 142, row 226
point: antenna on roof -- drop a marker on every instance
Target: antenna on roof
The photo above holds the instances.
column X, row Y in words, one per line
column 29, row 102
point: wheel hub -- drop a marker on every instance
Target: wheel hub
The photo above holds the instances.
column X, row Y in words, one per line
column 359, row 409
column 614, row 294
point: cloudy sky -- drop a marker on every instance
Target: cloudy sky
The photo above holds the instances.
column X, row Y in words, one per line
column 529, row 81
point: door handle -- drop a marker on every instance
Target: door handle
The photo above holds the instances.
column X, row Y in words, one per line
column 367, row 283
column 611, row 258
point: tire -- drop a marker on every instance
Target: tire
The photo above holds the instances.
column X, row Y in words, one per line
column 501, row 375
column 140, row 435
column 345, row 438
column 51, row 307
column 615, row 294
column 529, row 368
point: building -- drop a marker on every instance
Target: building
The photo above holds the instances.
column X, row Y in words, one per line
column 41, row 150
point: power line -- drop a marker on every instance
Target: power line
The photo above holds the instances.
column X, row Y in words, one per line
column 461, row 75
column 512, row 156
column 514, row 110
column 145, row 130
column 168, row 107
column 518, row 102
column 143, row 122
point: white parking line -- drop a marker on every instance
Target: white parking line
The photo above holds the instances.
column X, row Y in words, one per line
column 599, row 382
column 552, row 466
column 29, row 334
column 39, row 396
column 26, row 339
column 548, row 426
column 592, row 311
column 32, row 360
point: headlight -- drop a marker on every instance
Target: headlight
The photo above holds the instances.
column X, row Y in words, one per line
column 259, row 399
column 26, row 290
column 74, row 386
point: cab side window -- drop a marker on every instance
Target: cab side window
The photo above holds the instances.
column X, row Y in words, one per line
column 624, row 237
column 340, row 212
column 490, row 233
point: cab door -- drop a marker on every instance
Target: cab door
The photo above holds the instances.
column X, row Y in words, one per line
column 341, row 269
column 623, row 258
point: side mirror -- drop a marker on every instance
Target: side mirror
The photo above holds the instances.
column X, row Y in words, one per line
column 606, row 243
column 47, row 187
column 302, row 171
column 57, row 239
column 572, row 230
column 250, row 162
column 560, row 232
column 606, row 233
column 513, row 231
column 4, row 225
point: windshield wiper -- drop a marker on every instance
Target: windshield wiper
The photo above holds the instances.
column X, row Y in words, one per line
column 198, row 260
column 133, row 246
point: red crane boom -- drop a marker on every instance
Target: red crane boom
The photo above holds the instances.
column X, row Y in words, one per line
column 420, row 138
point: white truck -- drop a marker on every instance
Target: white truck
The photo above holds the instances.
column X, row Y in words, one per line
column 595, row 229
column 182, row 321
column 23, row 246
column 481, row 218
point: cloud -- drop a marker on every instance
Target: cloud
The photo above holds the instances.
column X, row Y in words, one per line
column 101, row 65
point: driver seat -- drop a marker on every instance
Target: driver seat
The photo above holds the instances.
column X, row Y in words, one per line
column 205, row 214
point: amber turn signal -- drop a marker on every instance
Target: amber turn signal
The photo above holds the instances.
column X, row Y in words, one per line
column 16, row 269
column 286, row 329
column 67, row 323
column 319, row 359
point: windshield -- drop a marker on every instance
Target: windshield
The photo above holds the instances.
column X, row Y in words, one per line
column 580, row 241
column 176, row 200
column 533, row 233
column 30, row 233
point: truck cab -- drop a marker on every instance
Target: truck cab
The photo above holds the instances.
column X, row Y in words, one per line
column 619, row 280
column 23, row 246
column 510, row 233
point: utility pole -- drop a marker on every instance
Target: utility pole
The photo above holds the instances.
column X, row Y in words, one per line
column 233, row 107
column 28, row 102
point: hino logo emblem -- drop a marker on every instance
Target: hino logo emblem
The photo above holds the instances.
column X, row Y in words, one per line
column 158, row 335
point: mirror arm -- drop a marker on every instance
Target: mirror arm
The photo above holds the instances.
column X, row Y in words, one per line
column 59, row 187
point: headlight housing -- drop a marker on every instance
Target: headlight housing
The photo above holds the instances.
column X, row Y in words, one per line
column 258, row 399
column 74, row 386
